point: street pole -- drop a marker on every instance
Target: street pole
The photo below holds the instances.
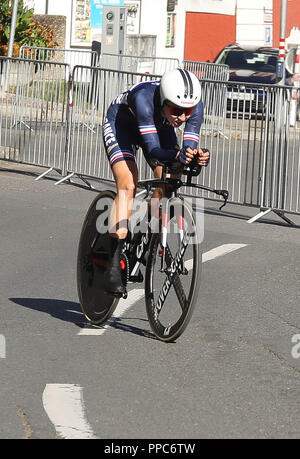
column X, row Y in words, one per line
column 281, row 61
column 6, row 75
column 13, row 29
column 282, row 121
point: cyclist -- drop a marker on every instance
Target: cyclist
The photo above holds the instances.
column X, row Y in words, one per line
column 146, row 116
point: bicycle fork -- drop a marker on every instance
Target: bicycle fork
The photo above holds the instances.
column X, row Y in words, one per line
column 165, row 219
column 173, row 278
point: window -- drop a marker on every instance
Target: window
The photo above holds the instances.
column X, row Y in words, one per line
column 258, row 62
column 171, row 25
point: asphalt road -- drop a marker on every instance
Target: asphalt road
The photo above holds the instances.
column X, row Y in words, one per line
column 234, row 373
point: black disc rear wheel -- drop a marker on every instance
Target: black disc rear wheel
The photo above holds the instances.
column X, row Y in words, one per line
column 92, row 260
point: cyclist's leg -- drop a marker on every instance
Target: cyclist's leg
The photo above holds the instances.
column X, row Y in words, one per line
column 119, row 139
column 126, row 177
column 125, row 174
column 119, row 135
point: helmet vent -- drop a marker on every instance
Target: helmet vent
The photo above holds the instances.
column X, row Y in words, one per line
column 188, row 84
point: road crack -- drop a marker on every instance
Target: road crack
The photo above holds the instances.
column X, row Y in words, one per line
column 28, row 429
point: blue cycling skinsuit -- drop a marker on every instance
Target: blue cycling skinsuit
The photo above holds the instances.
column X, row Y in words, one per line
column 134, row 120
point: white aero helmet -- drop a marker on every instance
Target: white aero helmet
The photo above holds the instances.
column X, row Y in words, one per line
column 180, row 87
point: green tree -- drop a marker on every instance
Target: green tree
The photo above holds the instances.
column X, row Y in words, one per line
column 28, row 31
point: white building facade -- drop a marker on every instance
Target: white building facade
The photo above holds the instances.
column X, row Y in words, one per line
column 254, row 22
column 192, row 29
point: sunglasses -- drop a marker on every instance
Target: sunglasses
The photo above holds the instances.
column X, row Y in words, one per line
column 178, row 111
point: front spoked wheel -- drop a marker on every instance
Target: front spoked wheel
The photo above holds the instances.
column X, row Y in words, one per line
column 173, row 273
column 92, row 260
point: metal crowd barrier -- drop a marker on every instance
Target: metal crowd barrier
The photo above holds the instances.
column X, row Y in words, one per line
column 251, row 144
column 258, row 156
column 138, row 64
column 48, row 121
column 33, row 111
column 71, row 57
column 208, row 70
column 86, row 154
column 217, row 98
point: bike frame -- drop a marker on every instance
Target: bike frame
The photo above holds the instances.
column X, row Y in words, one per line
column 174, row 184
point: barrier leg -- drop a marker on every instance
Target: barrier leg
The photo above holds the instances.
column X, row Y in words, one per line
column 86, row 182
column 64, row 179
column 284, row 217
column 280, row 214
column 258, row 216
column 44, row 173
column 15, row 124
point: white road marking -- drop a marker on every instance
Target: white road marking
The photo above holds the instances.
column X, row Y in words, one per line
column 64, row 406
column 136, row 294
column 220, row 251
column 2, row 347
column 63, row 403
column 133, row 297
column 215, row 253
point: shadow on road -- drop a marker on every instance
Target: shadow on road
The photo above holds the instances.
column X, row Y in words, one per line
column 69, row 311
column 119, row 324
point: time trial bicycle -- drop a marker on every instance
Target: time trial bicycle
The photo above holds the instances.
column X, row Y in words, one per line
column 164, row 253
